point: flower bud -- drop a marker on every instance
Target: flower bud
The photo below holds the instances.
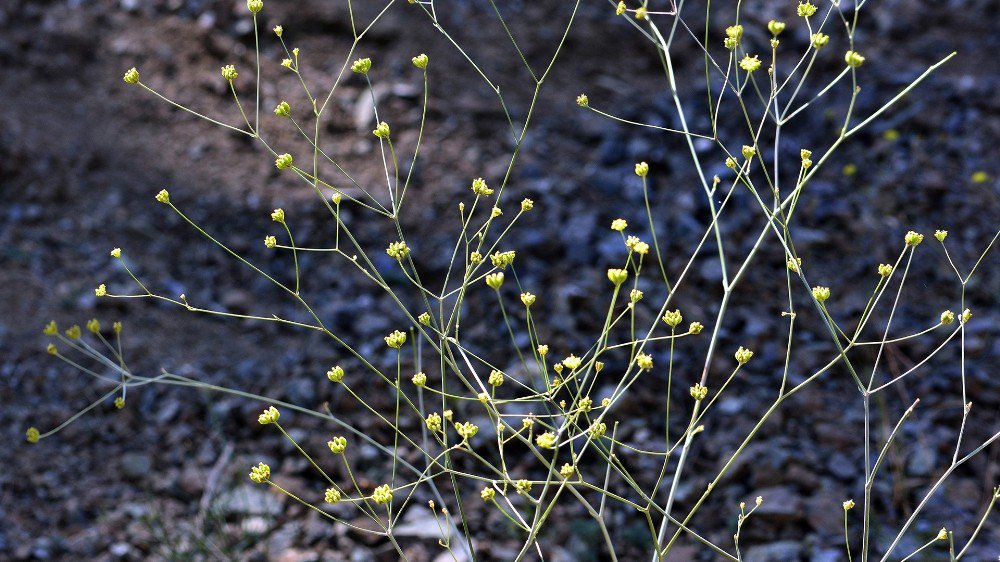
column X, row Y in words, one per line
column 940, row 235
column 283, row 109
column 163, row 196
column 775, row 27
column 420, row 61
column 641, row 169
column 278, row 30
column 332, row 495
column 527, row 299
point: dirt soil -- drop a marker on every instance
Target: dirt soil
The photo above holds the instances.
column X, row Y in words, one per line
column 82, row 155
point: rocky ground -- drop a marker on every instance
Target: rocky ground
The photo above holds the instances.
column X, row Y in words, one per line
column 81, row 156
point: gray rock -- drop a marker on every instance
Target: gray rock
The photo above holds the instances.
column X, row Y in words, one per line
column 136, row 465
column 783, row 551
column 781, row 504
column 249, row 499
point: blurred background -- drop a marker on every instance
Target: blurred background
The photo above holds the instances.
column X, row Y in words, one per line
column 82, row 155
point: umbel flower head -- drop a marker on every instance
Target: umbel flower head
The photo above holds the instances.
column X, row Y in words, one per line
column 260, row 473
column 819, row 40
column 283, row 161
column 749, row 63
column 644, row 361
column 398, row 250
column 255, row 6
column 396, row 339
column 619, row 225
column 420, row 379
column 163, row 196
column 806, row 10
column 229, row 72
column 913, row 238
column 743, row 355
column 582, row 100
column 479, row 187
column 362, row 66
column 494, row 280
column 32, row 435
column 821, row 293
column 382, row 494
column 332, row 495
column 546, row 440
column 335, row 374
column 382, row 130
column 641, row 169
column 699, row 392
column 496, row 378
column 673, row 318
column 502, row 259
column 854, row 59
column 617, row 276
column 131, row 76
column 269, row 416
column 420, row 61
column 283, row 109
column 487, row 494
column 337, row 445
column 466, row 430
column 278, row 215
column 775, row 27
